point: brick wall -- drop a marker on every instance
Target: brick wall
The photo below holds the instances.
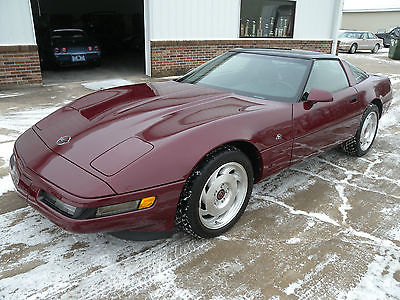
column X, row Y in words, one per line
column 19, row 65
column 177, row 57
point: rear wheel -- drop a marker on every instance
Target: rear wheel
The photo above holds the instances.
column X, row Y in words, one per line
column 360, row 144
column 376, row 48
column 353, row 48
column 216, row 193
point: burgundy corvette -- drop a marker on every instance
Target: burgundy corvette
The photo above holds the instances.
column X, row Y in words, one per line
column 148, row 157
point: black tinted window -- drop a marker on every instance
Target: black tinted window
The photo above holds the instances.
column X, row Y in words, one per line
column 327, row 75
column 255, row 75
column 359, row 75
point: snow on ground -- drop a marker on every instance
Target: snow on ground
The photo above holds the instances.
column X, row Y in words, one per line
column 8, row 95
column 105, row 84
column 325, row 228
column 13, row 124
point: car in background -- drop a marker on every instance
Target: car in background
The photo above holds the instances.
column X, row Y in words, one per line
column 351, row 41
column 143, row 158
column 387, row 36
column 73, row 47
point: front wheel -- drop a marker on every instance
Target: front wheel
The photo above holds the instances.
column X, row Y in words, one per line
column 360, row 144
column 216, row 193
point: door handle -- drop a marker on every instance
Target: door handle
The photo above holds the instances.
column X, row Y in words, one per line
column 353, row 99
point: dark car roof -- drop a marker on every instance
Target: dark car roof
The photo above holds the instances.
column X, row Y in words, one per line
column 286, row 53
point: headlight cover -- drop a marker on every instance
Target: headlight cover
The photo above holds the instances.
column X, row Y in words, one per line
column 120, row 156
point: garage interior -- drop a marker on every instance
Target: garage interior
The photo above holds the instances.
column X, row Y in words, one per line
column 117, row 27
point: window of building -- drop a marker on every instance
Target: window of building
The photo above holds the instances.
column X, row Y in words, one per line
column 267, row 18
column 327, row 75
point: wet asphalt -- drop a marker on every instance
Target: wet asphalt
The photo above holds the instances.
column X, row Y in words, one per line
column 325, row 228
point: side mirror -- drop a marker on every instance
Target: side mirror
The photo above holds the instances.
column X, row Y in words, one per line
column 315, row 96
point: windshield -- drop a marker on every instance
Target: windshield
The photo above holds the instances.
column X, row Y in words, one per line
column 351, row 35
column 255, row 75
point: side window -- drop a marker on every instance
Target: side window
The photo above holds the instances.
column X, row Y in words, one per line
column 359, row 75
column 371, row 35
column 365, row 35
column 327, row 75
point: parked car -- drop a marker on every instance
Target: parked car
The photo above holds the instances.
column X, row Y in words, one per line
column 144, row 157
column 351, row 41
column 72, row 47
column 387, row 36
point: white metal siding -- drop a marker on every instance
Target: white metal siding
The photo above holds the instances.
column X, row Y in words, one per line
column 314, row 19
column 371, row 21
column 194, row 19
column 219, row 19
column 16, row 27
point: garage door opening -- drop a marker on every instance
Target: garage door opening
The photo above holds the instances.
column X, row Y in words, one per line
column 115, row 27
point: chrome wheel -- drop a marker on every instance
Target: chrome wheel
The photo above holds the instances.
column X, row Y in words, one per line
column 368, row 130
column 223, row 195
column 353, row 49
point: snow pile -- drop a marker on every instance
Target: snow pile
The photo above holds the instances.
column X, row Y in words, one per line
column 105, row 84
column 12, row 124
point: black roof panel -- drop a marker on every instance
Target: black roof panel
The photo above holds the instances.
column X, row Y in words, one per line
column 286, row 53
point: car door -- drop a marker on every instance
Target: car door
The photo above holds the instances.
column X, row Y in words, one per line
column 324, row 125
column 373, row 40
column 364, row 42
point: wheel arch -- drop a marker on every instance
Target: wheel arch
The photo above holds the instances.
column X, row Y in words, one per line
column 379, row 104
column 247, row 148
column 253, row 154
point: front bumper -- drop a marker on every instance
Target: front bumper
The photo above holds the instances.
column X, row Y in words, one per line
column 160, row 217
column 344, row 47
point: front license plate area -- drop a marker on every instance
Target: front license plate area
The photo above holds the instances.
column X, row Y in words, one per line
column 78, row 58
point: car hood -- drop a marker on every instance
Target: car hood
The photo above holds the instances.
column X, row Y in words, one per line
column 150, row 113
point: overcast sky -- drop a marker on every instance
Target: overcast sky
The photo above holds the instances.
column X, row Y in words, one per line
column 371, row 4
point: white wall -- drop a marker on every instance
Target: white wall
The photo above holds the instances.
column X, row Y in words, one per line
column 314, row 19
column 219, row 19
column 16, row 26
column 371, row 21
column 193, row 19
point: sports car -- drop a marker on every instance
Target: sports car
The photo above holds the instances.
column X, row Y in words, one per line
column 73, row 47
column 138, row 161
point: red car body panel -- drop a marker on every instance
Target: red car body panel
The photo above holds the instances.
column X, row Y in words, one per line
column 171, row 126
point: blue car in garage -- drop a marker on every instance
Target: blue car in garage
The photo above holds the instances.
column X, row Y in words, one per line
column 73, row 47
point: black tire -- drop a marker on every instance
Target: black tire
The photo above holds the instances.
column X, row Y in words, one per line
column 189, row 217
column 354, row 146
column 353, row 48
column 376, row 48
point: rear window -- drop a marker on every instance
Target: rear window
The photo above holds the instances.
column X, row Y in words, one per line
column 68, row 34
column 255, row 75
column 351, row 35
column 359, row 75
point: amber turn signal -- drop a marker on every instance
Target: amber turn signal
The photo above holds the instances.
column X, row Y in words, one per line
column 147, row 202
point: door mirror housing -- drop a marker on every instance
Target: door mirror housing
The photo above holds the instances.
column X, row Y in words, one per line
column 317, row 95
